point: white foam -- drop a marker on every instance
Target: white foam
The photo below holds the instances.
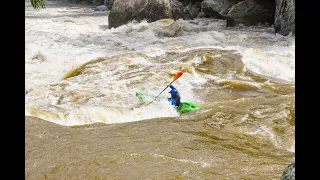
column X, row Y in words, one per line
column 67, row 41
column 292, row 148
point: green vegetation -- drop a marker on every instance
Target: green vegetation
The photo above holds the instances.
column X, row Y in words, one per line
column 36, row 4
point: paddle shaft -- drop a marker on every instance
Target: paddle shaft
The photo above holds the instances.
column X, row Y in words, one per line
column 175, row 78
column 160, row 93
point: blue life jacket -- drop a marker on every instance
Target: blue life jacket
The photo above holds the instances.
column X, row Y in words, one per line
column 175, row 97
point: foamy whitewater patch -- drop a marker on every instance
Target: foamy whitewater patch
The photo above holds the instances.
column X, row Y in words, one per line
column 61, row 39
column 280, row 62
column 92, row 114
column 292, row 149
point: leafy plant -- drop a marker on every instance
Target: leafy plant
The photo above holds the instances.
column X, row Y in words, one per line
column 36, row 4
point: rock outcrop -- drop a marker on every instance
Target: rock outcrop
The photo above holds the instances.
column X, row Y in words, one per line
column 284, row 20
column 124, row 11
column 217, row 8
column 194, row 8
column 281, row 13
column 108, row 3
column 251, row 12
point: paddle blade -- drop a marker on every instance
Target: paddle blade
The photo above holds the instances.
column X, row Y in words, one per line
column 177, row 76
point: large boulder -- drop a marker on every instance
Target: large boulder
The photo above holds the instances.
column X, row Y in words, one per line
column 289, row 172
column 178, row 11
column 284, row 20
column 194, row 8
column 108, row 3
column 186, row 2
column 251, row 12
column 124, row 11
column 217, row 8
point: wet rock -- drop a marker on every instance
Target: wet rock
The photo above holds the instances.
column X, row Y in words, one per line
column 178, row 11
column 124, row 11
column 284, row 21
column 217, row 8
column 166, row 28
column 251, row 12
column 186, row 2
column 194, row 8
column 101, row 8
column 108, row 3
column 201, row 15
column 99, row 2
column 289, row 172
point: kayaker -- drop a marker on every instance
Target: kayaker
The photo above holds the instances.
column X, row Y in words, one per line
column 175, row 97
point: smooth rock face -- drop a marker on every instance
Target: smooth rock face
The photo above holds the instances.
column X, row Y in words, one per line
column 284, row 20
column 124, row 11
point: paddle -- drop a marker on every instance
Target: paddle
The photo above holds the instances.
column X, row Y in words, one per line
column 175, row 78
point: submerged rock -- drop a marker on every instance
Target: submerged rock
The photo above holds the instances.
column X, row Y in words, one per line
column 166, row 27
column 101, row 8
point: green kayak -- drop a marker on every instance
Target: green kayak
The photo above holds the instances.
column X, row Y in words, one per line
column 186, row 106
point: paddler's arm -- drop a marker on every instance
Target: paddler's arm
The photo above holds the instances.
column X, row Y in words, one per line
column 171, row 86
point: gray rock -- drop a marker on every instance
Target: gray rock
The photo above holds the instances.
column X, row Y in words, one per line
column 178, row 10
column 251, row 12
column 98, row 2
column 284, row 20
column 194, row 9
column 201, row 15
column 124, row 11
column 166, row 28
column 101, row 8
column 108, row 3
column 186, row 2
column 289, row 172
column 217, row 8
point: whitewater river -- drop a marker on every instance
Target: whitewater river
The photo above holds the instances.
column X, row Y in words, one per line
column 77, row 71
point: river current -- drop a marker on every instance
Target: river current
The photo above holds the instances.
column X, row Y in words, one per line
column 77, row 71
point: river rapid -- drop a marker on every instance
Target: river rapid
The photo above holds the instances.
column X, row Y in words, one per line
column 79, row 72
